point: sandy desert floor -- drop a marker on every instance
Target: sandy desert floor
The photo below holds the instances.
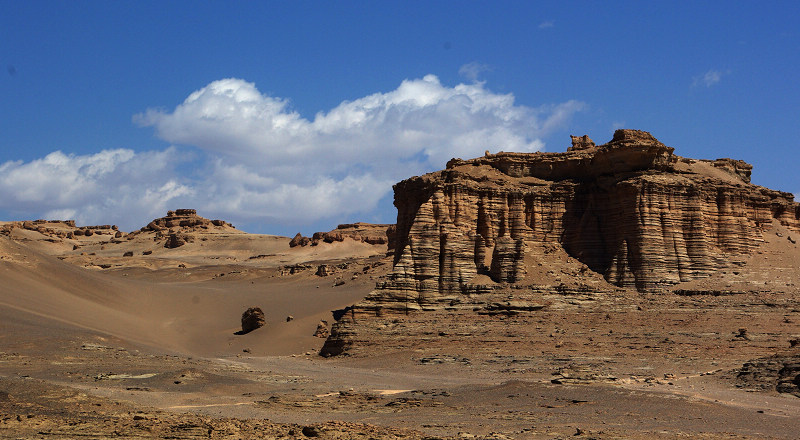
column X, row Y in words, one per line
column 97, row 345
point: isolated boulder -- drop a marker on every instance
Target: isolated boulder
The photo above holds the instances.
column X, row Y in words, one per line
column 252, row 319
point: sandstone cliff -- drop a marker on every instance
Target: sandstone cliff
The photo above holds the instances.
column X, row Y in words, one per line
column 630, row 211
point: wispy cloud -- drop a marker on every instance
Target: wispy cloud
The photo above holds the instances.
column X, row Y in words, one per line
column 709, row 78
column 256, row 160
column 473, row 70
column 547, row 24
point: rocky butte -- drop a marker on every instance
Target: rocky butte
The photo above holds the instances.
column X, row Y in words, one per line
column 626, row 214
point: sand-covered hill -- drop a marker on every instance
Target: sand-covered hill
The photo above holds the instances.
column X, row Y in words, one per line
column 163, row 285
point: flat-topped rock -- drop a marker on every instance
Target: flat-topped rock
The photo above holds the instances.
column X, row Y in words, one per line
column 629, row 211
column 184, row 218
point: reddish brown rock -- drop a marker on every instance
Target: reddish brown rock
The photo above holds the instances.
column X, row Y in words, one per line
column 324, row 270
column 299, row 240
column 185, row 219
column 175, row 240
column 780, row 372
column 581, row 143
column 252, row 318
column 322, row 330
column 630, row 210
column 363, row 232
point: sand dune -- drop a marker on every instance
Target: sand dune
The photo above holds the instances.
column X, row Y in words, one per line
column 173, row 309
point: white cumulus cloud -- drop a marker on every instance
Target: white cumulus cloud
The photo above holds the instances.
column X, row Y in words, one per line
column 260, row 161
column 109, row 186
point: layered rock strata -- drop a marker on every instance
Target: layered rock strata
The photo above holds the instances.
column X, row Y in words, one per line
column 630, row 210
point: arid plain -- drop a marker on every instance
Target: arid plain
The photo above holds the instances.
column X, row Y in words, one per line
column 494, row 323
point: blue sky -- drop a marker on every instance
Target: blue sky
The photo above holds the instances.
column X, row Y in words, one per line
column 296, row 116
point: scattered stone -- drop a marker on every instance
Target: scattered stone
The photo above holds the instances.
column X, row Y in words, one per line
column 128, row 254
column 289, row 318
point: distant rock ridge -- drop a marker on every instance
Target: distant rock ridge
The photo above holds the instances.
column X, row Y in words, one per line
column 364, row 232
column 60, row 229
column 183, row 218
column 630, row 210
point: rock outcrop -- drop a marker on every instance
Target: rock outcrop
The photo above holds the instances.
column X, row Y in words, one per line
column 630, row 210
column 363, row 232
column 178, row 227
column 780, row 372
column 60, row 229
column 322, row 330
column 299, row 240
column 175, row 240
column 183, row 218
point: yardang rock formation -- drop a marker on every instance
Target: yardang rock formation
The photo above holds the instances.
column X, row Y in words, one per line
column 629, row 210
